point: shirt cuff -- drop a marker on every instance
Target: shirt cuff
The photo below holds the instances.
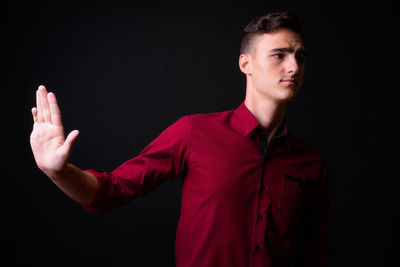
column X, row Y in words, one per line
column 96, row 205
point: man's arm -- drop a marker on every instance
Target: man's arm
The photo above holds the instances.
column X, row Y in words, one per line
column 52, row 150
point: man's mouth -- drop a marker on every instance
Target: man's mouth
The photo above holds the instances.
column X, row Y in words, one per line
column 289, row 81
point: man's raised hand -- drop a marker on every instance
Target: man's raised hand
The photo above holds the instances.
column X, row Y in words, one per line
column 50, row 147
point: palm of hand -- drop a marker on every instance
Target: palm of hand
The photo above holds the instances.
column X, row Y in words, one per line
column 47, row 142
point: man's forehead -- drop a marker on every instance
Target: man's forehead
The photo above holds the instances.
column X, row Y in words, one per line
column 281, row 38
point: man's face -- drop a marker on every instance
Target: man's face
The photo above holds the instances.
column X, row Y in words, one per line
column 277, row 65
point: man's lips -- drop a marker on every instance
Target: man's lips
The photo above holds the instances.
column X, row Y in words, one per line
column 291, row 81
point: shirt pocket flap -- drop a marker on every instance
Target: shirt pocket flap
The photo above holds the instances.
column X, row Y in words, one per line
column 294, row 187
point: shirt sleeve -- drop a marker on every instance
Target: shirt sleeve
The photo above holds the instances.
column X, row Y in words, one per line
column 164, row 158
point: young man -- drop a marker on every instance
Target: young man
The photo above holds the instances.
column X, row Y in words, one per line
column 252, row 194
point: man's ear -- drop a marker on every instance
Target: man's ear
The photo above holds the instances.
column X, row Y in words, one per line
column 245, row 63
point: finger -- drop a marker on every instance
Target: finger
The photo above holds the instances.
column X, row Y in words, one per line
column 54, row 109
column 45, row 104
column 35, row 114
column 39, row 106
column 70, row 140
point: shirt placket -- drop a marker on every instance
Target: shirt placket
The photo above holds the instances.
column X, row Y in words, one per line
column 260, row 223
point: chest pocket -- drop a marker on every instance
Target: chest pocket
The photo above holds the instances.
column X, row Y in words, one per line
column 294, row 187
column 294, row 197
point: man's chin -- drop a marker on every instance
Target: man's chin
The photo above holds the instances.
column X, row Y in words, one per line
column 290, row 94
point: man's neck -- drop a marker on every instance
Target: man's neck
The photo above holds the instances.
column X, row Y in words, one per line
column 268, row 113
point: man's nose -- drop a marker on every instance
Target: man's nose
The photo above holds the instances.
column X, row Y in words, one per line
column 292, row 65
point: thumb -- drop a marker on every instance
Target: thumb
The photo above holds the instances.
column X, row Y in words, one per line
column 69, row 142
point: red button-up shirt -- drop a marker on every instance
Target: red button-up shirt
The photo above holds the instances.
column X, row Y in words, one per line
column 245, row 202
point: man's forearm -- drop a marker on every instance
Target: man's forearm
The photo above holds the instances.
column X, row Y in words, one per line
column 80, row 185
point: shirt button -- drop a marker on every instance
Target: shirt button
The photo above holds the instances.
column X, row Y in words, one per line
column 259, row 217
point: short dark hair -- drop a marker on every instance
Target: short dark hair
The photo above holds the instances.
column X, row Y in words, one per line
column 268, row 23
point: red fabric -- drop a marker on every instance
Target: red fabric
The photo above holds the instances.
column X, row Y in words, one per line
column 238, row 208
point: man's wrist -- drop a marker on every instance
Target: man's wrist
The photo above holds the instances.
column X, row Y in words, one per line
column 57, row 174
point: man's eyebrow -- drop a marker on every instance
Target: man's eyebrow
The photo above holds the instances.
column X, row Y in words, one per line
column 288, row 50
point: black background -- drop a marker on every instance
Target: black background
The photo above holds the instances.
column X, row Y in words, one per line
column 124, row 72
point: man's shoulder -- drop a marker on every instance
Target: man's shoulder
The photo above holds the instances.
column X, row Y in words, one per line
column 209, row 118
column 200, row 121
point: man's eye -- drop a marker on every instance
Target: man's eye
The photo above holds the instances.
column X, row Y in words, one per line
column 279, row 56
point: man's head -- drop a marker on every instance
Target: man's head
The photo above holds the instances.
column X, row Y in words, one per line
column 272, row 56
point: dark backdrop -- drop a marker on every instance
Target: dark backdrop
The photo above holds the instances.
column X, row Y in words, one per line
column 122, row 73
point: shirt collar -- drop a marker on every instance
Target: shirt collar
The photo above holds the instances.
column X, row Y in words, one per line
column 245, row 123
